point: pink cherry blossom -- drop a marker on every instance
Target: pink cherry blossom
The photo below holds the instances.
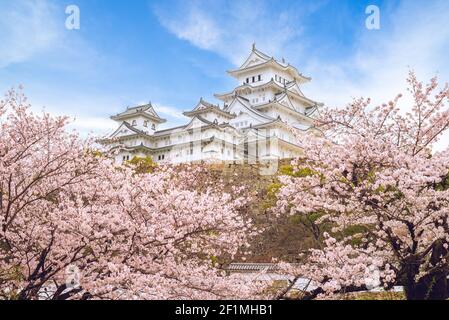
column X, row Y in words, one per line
column 373, row 171
column 64, row 207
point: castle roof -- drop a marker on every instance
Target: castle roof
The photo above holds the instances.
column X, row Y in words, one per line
column 291, row 87
column 258, row 59
column 189, row 126
column 204, row 107
column 146, row 111
column 248, row 107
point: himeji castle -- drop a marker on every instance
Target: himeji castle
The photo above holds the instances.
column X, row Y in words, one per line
column 252, row 123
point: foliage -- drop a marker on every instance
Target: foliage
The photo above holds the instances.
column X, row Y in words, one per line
column 142, row 165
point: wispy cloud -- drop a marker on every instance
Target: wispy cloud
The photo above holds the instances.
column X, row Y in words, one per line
column 197, row 28
column 414, row 35
column 229, row 28
column 27, row 28
column 413, row 39
column 97, row 125
column 169, row 111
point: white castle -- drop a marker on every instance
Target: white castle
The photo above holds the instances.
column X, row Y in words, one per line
column 253, row 124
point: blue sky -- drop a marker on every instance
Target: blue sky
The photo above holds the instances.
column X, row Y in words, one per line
column 174, row 52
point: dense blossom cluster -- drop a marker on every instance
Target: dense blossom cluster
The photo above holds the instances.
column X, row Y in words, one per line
column 374, row 181
column 68, row 213
column 75, row 225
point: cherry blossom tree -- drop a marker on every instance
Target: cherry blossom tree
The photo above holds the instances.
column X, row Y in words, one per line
column 380, row 189
column 75, row 226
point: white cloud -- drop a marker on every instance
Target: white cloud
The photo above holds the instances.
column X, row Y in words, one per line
column 162, row 110
column 230, row 28
column 197, row 28
column 34, row 31
column 413, row 35
column 27, row 28
column 417, row 37
column 95, row 124
column 169, row 111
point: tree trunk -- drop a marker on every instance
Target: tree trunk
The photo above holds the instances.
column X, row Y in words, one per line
column 432, row 286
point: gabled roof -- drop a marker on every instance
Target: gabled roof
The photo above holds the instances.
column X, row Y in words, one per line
column 134, row 132
column 130, row 127
column 255, row 57
column 201, row 119
column 293, row 86
column 146, row 111
column 259, row 59
column 304, row 99
column 277, row 104
column 311, row 110
column 245, row 103
column 204, row 107
column 168, row 130
column 278, row 121
column 165, row 132
column 284, row 99
column 208, row 123
column 290, row 87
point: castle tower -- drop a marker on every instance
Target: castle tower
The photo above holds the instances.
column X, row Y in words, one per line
column 143, row 118
column 253, row 122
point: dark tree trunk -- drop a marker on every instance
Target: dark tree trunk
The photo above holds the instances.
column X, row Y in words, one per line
column 432, row 286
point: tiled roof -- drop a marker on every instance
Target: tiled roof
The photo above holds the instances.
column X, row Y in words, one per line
column 252, row 267
column 204, row 106
column 146, row 110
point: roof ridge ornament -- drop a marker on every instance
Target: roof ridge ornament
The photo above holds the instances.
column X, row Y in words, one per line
column 254, row 46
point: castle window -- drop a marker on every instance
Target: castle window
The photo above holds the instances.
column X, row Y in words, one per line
column 145, row 123
column 134, row 123
column 153, row 127
column 247, row 80
column 259, row 78
column 254, row 79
